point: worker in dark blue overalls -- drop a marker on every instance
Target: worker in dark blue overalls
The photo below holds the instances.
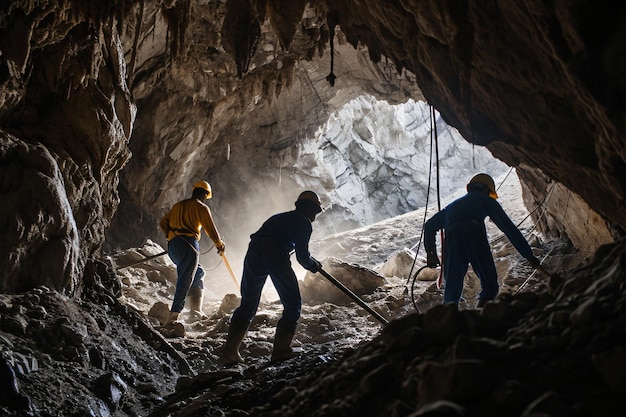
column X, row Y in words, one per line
column 465, row 240
column 268, row 254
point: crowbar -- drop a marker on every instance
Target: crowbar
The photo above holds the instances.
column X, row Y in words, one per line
column 232, row 274
column 353, row 296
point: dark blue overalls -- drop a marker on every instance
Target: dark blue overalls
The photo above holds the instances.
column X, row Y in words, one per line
column 268, row 254
column 466, row 242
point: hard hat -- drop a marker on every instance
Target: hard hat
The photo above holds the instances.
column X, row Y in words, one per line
column 203, row 185
column 312, row 197
column 487, row 181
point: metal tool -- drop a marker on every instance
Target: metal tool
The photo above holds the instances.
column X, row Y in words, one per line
column 352, row 295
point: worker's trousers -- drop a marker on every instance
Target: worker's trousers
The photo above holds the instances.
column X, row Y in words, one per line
column 467, row 244
column 185, row 253
column 262, row 259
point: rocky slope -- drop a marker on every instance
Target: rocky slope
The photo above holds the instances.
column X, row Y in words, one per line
column 535, row 351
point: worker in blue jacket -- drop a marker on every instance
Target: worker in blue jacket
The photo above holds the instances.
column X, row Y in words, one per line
column 465, row 240
column 269, row 254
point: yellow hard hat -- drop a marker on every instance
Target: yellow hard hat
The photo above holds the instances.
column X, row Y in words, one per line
column 487, row 181
column 203, row 185
column 312, row 197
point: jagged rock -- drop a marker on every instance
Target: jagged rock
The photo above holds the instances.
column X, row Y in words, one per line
column 10, row 392
column 400, row 264
column 13, row 324
column 359, row 280
column 160, row 311
column 457, row 381
column 229, row 303
column 110, row 388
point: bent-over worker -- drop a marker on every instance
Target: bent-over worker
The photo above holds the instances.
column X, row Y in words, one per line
column 465, row 240
column 182, row 226
column 268, row 254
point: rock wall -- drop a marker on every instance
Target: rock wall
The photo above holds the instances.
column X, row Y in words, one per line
column 183, row 85
column 66, row 117
column 198, row 120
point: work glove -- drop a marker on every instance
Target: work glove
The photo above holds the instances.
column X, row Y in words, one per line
column 432, row 260
column 220, row 246
column 317, row 265
column 534, row 262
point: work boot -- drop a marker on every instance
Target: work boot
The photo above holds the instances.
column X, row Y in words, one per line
column 194, row 300
column 230, row 351
column 173, row 329
column 282, row 345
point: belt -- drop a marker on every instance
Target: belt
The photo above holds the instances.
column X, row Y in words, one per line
column 181, row 230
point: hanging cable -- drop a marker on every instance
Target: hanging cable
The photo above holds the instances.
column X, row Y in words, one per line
column 542, row 204
column 430, row 170
column 506, row 176
column 433, row 138
column 440, row 282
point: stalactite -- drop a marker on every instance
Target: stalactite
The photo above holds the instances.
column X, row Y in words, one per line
column 285, row 15
column 241, row 32
column 177, row 18
column 332, row 21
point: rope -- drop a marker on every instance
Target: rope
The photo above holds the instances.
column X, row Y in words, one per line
column 433, row 138
column 430, row 170
column 413, row 288
column 541, row 204
column 507, row 176
column 441, row 234
column 535, row 271
column 149, row 258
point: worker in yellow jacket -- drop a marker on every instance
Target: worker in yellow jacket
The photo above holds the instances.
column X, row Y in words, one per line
column 182, row 226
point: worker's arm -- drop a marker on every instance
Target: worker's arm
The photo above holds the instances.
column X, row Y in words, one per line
column 504, row 223
column 206, row 220
column 302, row 248
column 434, row 224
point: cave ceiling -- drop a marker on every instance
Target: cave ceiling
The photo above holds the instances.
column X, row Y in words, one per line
column 109, row 109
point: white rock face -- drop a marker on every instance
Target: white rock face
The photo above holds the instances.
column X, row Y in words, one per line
column 374, row 160
column 369, row 161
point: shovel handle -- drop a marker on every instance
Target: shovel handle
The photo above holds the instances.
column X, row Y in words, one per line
column 230, row 269
column 142, row 260
column 352, row 295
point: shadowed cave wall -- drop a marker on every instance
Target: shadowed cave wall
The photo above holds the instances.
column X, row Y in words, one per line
column 102, row 105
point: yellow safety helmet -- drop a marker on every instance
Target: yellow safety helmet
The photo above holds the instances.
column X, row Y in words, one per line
column 487, row 181
column 203, row 185
column 312, row 197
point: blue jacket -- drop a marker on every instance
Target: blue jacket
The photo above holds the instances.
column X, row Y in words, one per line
column 289, row 231
column 474, row 206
